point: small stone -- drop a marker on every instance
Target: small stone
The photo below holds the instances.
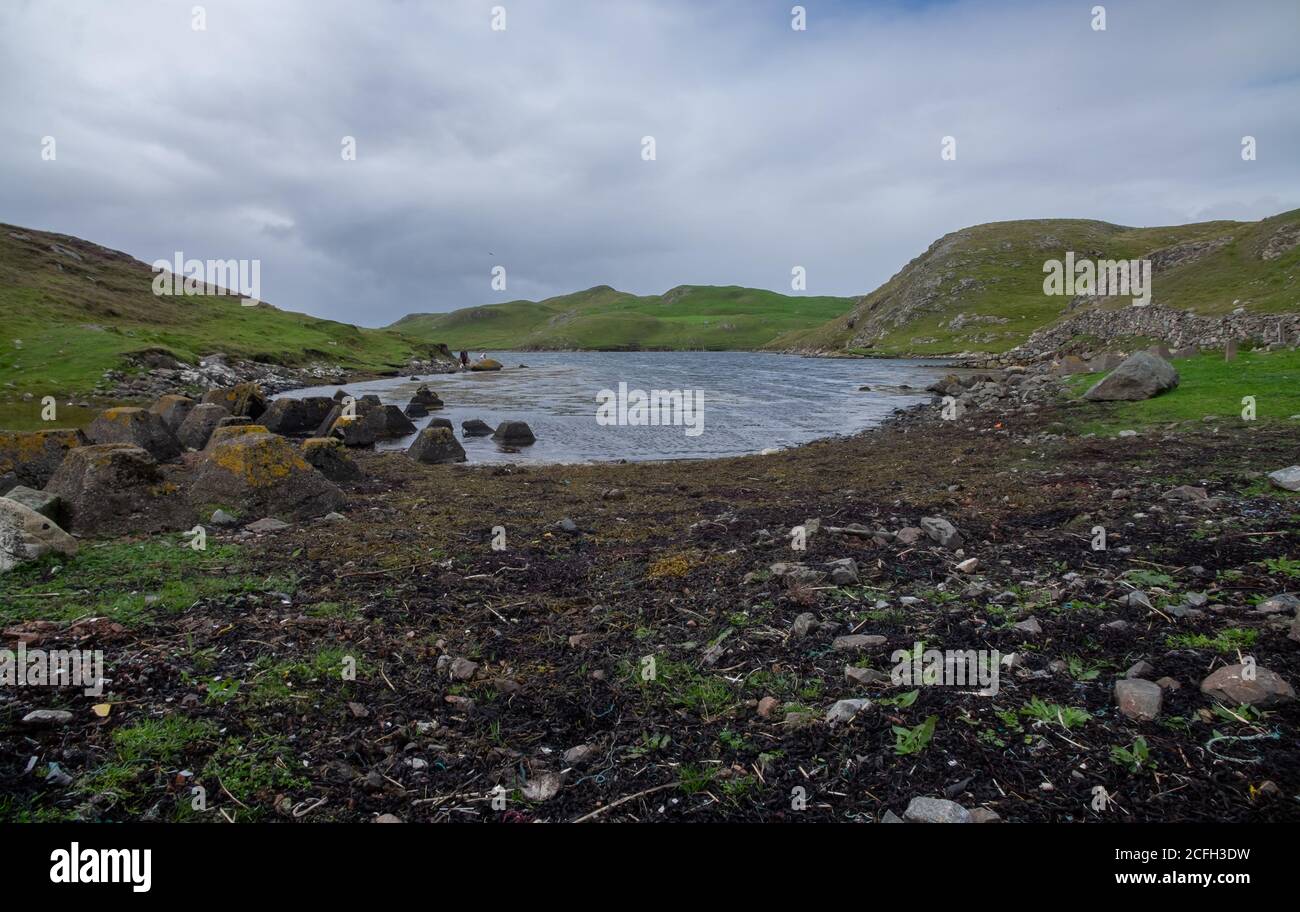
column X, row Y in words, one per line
column 1231, row 685
column 767, row 707
column 1030, row 626
column 568, row 526
column 941, row 531
column 543, row 786
column 1168, row 683
column 866, row 675
column 984, row 815
column 1278, row 604
column 1140, row 669
column 856, row 641
column 936, row 810
column 845, row 710
column 268, row 524
column 1138, row 699
column 1287, row 479
column 844, row 572
column 968, row 565
column 462, row 669
column 387, row 818
column 804, row 624
column 222, row 519
column 580, row 755
column 47, row 717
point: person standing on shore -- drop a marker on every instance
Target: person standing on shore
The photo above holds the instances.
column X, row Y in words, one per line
column 464, row 360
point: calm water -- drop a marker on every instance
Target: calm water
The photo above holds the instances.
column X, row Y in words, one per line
column 752, row 402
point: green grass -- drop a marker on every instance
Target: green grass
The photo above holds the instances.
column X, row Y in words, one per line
column 687, row 317
column 1207, row 385
column 126, row 581
column 66, row 321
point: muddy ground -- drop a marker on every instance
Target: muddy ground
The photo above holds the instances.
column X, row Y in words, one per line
column 245, row 694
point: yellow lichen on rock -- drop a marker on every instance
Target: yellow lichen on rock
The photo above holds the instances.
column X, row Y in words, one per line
column 260, row 459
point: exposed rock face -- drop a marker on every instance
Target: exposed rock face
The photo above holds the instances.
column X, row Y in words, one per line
column 1179, row 329
column 245, row 399
column 436, row 445
column 198, row 426
column 328, row 456
column 514, row 433
column 116, row 488
column 296, row 416
column 475, row 428
column 33, row 457
column 26, row 535
column 173, row 410
column 137, row 427
column 262, row 474
column 1141, row 376
column 1257, row 686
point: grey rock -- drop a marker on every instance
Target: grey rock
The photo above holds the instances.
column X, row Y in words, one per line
column 941, row 532
column 1287, row 479
column 39, row 718
column 267, row 524
column 1141, row 376
column 857, row 641
column 845, row 710
column 1256, row 686
column 936, row 810
column 42, row 502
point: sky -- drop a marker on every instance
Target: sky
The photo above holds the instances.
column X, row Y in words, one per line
column 524, row 148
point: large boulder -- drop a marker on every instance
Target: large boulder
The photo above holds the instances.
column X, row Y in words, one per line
column 329, row 457
column 296, row 416
column 424, row 401
column 26, row 535
column 173, row 410
column 436, row 445
column 1141, row 376
column 476, row 427
column 116, row 488
column 245, row 399
column 33, row 457
column 354, row 431
column 199, row 424
column 514, row 433
column 137, row 427
column 43, row 502
column 262, row 474
column 486, row 364
column 389, row 421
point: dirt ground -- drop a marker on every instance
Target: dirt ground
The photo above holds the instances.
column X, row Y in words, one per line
column 602, row 637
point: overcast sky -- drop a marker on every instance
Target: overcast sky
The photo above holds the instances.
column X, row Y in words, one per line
column 523, row 148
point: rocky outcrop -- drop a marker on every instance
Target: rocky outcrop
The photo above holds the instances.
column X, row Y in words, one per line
column 262, row 474
column 33, row 457
column 1141, row 376
column 486, row 364
column 26, row 535
column 137, row 427
column 115, row 489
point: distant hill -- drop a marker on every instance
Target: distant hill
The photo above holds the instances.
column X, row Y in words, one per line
column 71, row 310
column 981, row 288
column 686, row 317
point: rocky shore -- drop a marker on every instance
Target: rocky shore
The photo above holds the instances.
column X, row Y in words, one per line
column 378, row 638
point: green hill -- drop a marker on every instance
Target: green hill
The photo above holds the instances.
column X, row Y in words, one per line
column 72, row 310
column 981, row 288
column 686, row 317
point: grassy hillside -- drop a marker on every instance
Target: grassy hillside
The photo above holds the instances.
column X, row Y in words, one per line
column 686, row 317
column 72, row 309
column 989, row 280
